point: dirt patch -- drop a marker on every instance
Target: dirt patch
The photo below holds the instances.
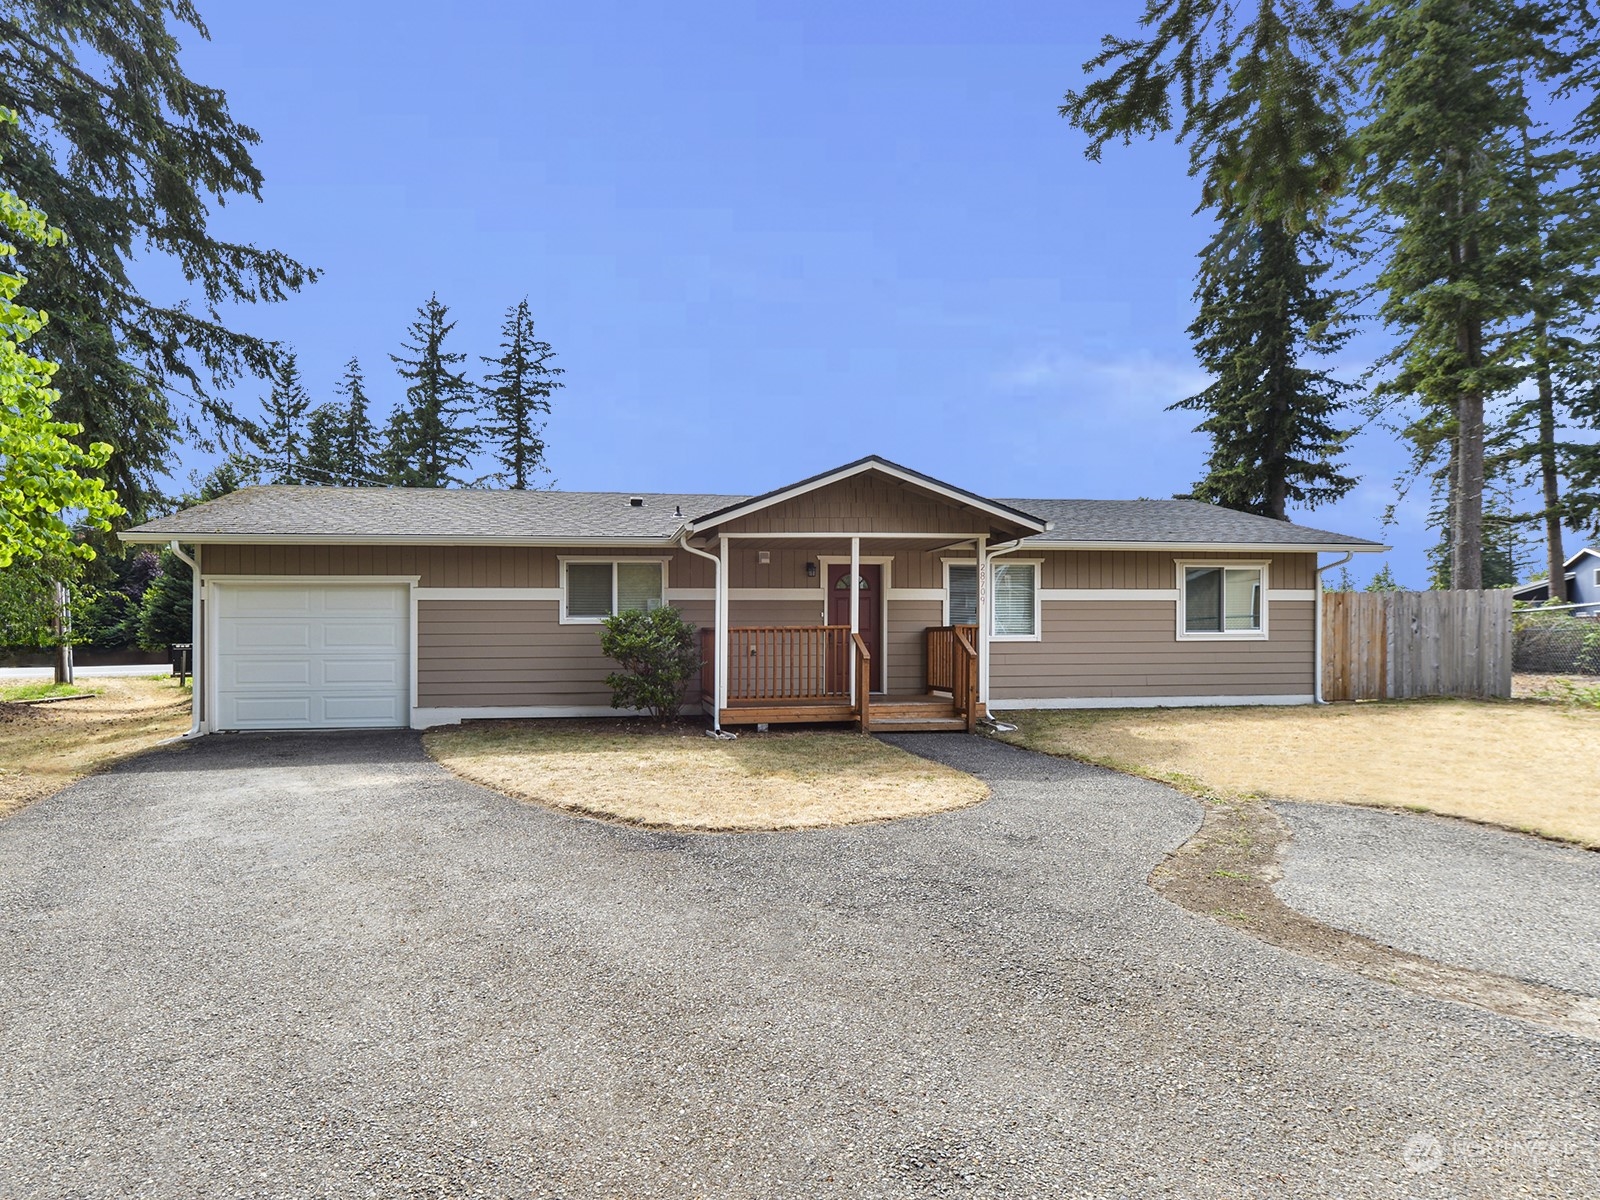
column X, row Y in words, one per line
column 1227, row 871
column 44, row 747
column 1497, row 762
column 680, row 779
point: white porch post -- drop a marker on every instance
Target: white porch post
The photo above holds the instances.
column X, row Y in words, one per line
column 723, row 640
column 855, row 605
column 983, row 618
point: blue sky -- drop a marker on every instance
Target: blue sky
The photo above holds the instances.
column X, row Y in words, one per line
column 763, row 239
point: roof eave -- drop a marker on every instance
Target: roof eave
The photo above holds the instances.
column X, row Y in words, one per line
column 1212, row 547
column 156, row 538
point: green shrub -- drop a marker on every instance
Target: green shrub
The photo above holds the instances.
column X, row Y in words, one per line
column 165, row 608
column 657, row 653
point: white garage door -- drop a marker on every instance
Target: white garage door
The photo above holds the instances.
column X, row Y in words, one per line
column 312, row 656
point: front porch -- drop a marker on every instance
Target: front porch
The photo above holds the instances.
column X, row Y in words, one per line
column 822, row 674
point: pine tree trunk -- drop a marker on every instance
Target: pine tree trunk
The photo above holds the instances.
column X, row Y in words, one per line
column 1549, row 470
column 1466, row 529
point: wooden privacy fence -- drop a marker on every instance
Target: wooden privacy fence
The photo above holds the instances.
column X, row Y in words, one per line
column 1392, row 645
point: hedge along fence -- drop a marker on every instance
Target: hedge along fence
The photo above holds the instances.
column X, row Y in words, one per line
column 1395, row 645
column 1555, row 643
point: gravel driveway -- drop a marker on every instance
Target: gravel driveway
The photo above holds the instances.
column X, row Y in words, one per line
column 320, row 966
column 1451, row 891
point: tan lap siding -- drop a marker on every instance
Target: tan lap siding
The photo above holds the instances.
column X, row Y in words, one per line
column 1112, row 649
column 906, row 642
column 514, row 654
column 443, row 566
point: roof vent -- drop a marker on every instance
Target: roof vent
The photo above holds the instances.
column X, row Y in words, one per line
column 677, row 510
column 635, row 501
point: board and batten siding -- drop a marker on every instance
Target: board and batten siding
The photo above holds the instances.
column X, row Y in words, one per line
column 863, row 504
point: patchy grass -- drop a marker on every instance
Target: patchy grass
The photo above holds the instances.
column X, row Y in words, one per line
column 44, row 747
column 1503, row 763
column 41, row 690
column 681, row 779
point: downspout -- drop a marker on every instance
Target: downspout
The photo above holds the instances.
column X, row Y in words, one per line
column 1316, row 695
column 718, row 617
column 985, row 556
column 195, row 693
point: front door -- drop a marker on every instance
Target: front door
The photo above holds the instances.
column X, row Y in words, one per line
column 870, row 586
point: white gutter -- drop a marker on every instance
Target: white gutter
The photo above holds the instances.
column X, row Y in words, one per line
column 1316, row 690
column 194, row 639
column 720, row 619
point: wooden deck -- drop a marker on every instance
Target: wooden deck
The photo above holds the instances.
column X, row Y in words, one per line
column 821, row 674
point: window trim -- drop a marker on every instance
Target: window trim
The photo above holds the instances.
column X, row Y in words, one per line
column 1597, row 577
column 613, row 563
column 1222, row 635
column 947, row 564
column 1006, row 560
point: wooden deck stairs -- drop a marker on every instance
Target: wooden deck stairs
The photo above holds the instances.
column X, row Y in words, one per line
column 932, row 713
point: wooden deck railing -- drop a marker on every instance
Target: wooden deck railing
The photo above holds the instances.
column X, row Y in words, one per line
column 789, row 662
column 942, row 655
column 952, row 666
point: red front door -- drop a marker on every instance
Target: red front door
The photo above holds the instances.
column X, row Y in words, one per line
column 871, row 614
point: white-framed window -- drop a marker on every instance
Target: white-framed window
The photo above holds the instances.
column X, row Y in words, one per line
column 593, row 589
column 1013, row 597
column 1014, row 600
column 960, row 592
column 1597, row 577
column 1222, row 600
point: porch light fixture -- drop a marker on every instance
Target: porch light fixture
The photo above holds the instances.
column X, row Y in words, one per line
column 764, row 557
column 811, row 570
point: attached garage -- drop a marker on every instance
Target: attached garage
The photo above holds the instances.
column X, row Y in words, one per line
column 311, row 655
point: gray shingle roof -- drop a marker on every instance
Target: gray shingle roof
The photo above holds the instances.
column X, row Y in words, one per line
column 443, row 516
column 1171, row 522
column 446, row 515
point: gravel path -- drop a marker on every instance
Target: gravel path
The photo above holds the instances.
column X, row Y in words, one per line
column 295, row 966
column 1451, row 891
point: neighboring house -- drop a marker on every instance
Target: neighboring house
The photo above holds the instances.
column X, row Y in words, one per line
column 1583, row 583
column 330, row 607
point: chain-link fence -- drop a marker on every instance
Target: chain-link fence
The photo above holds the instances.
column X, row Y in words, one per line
column 1555, row 643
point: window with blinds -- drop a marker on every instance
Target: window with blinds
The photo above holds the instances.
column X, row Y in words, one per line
column 1222, row 600
column 593, row 591
column 961, row 593
column 1016, row 612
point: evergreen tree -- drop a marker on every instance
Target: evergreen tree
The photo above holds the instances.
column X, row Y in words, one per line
column 433, row 435
column 1268, row 415
column 518, row 392
column 1438, row 167
column 358, row 439
column 128, row 155
column 324, row 437
column 280, row 441
column 167, row 604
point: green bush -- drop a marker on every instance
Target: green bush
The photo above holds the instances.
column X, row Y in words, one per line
column 166, row 605
column 657, row 653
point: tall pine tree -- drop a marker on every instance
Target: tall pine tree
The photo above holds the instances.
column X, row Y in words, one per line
column 1438, row 150
column 518, row 393
column 1268, row 414
column 434, row 435
column 280, row 440
column 129, row 155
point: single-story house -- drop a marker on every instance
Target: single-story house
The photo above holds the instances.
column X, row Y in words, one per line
column 870, row 593
column 1583, row 583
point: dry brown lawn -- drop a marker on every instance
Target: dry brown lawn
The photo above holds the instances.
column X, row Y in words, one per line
column 44, row 747
column 1508, row 763
column 684, row 780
